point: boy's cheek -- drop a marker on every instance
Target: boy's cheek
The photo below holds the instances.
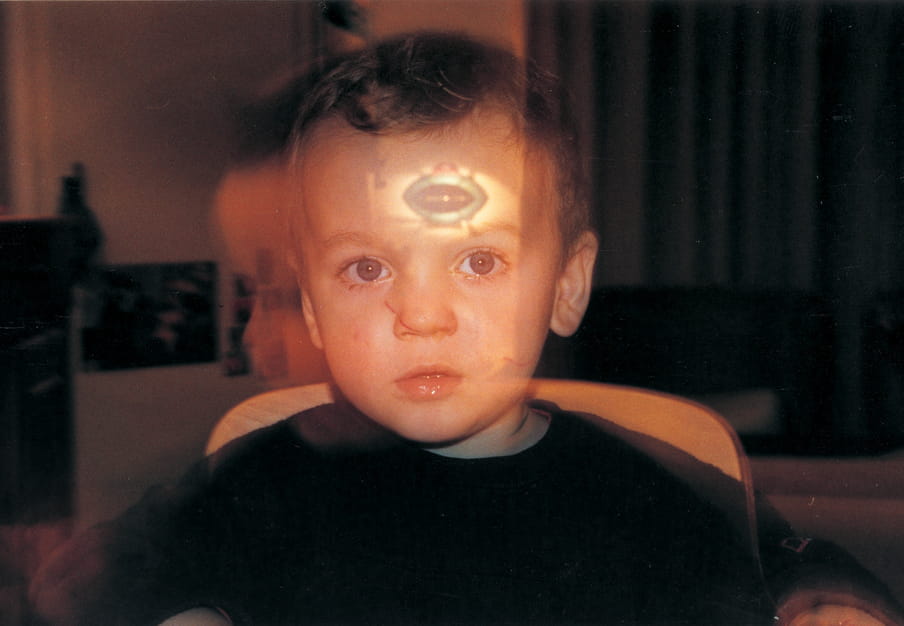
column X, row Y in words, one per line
column 351, row 335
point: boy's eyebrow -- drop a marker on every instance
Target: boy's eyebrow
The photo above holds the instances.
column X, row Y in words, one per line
column 495, row 226
column 348, row 237
column 364, row 238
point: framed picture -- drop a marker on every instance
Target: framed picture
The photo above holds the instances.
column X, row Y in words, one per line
column 150, row 315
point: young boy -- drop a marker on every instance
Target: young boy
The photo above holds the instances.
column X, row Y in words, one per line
column 438, row 233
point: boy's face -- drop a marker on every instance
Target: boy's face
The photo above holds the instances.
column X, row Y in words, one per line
column 432, row 326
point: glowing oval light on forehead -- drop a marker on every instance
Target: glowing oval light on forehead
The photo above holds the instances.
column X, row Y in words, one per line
column 445, row 196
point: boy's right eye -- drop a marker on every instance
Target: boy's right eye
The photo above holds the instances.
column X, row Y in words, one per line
column 365, row 270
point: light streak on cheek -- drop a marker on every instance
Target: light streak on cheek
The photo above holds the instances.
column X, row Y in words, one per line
column 502, row 369
column 515, row 362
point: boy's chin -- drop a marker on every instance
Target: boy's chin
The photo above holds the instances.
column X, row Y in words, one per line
column 444, row 414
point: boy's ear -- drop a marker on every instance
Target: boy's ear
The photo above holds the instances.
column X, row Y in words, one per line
column 310, row 319
column 573, row 287
column 307, row 307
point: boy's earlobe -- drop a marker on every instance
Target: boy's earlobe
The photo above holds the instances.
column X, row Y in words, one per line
column 574, row 286
column 310, row 320
column 307, row 308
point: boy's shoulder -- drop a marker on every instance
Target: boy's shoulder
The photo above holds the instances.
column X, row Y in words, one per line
column 642, row 462
column 589, row 433
column 324, row 430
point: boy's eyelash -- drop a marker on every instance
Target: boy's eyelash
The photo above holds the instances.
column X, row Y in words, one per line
column 497, row 256
column 344, row 268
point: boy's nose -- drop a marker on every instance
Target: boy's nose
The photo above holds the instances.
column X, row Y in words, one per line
column 422, row 309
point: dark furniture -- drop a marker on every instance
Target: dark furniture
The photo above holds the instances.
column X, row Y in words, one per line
column 36, row 453
column 883, row 366
column 718, row 343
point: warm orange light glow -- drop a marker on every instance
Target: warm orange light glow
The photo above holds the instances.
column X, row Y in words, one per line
column 250, row 214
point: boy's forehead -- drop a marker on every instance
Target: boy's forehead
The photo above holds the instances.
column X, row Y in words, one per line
column 488, row 143
column 449, row 176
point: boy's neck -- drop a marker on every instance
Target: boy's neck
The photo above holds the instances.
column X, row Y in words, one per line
column 528, row 431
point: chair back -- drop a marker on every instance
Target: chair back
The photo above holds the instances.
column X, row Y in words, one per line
column 265, row 409
column 679, row 422
column 682, row 423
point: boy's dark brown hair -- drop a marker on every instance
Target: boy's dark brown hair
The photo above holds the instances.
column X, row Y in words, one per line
column 425, row 81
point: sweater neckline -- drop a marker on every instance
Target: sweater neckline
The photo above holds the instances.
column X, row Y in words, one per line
column 497, row 472
column 338, row 431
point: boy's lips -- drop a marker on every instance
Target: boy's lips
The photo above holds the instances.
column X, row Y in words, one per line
column 428, row 383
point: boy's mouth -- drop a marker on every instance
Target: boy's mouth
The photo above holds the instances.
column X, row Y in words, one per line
column 428, row 383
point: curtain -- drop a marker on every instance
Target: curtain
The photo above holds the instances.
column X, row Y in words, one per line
column 756, row 146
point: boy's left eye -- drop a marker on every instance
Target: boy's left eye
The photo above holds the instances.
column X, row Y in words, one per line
column 479, row 263
column 365, row 270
